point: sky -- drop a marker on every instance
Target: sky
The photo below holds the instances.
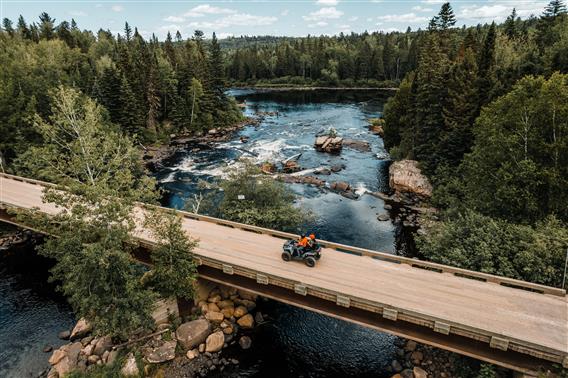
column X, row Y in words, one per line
column 262, row 17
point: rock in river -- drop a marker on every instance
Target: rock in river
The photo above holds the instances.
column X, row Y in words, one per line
column 215, row 342
column 193, row 333
column 405, row 176
column 82, row 329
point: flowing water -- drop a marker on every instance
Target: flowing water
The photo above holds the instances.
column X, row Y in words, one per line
column 296, row 342
column 31, row 313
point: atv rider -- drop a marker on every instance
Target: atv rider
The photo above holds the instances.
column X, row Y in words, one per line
column 305, row 243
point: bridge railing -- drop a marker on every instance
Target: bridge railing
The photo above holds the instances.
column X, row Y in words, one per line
column 411, row 262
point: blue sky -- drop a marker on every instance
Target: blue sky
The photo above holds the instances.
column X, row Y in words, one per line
column 261, row 17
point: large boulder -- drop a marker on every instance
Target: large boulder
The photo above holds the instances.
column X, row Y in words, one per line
column 215, row 342
column 405, row 177
column 65, row 359
column 356, row 144
column 328, row 143
column 103, row 344
column 164, row 351
column 81, row 329
column 130, row 368
column 214, row 316
column 193, row 333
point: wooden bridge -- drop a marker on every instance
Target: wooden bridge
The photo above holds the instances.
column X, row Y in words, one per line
column 514, row 324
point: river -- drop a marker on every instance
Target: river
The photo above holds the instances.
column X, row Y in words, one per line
column 294, row 342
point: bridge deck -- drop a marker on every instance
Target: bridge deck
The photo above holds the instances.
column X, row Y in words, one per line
column 532, row 319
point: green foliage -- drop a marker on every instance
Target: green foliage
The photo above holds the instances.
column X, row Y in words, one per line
column 521, row 139
column 473, row 241
column 265, row 202
column 99, row 180
column 140, row 82
column 487, row 371
column 173, row 271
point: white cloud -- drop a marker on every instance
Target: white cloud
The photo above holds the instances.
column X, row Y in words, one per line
column 285, row 12
column 408, row 17
column 498, row 11
column 78, row 13
column 354, row 18
column 117, row 8
column 324, row 13
column 327, row 2
column 174, row 19
column 98, row 5
column 344, row 27
column 224, row 35
column 203, row 9
column 433, row 1
column 318, row 24
column 238, row 19
column 369, row 19
column 418, row 8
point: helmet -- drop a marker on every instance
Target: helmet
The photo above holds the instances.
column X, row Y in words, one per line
column 312, row 236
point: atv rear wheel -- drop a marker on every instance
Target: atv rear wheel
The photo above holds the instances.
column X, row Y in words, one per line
column 311, row 262
column 286, row 256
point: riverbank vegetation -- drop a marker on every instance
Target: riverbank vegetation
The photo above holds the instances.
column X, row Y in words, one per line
column 100, row 170
column 247, row 196
column 485, row 112
column 150, row 89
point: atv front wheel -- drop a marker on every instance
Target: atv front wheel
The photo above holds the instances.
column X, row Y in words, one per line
column 311, row 262
column 286, row 256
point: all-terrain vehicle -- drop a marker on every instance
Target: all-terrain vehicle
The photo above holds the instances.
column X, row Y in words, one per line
column 292, row 251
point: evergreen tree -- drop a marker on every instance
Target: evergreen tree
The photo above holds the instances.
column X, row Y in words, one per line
column 127, row 32
column 46, row 26
column 511, row 25
column 446, row 17
column 486, row 78
column 430, row 83
column 8, row 27
column 23, row 28
column 216, row 66
column 459, row 110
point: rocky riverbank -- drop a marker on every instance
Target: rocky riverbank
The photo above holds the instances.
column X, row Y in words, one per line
column 154, row 155
column 181, row 345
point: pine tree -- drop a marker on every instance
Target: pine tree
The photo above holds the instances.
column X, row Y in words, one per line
column 127, row 32
column 46, row 27
column 7, row 26
column 459, row 110
column 216, row 66
column 546, row 34
column 446, row 17
column 511, row 25
column 554, row 8
column 23, row 28
column 430, row 92
column 486, row 77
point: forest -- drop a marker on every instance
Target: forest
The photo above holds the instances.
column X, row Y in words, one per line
column 485, row 112
column 150, row 89
column 484, row 109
